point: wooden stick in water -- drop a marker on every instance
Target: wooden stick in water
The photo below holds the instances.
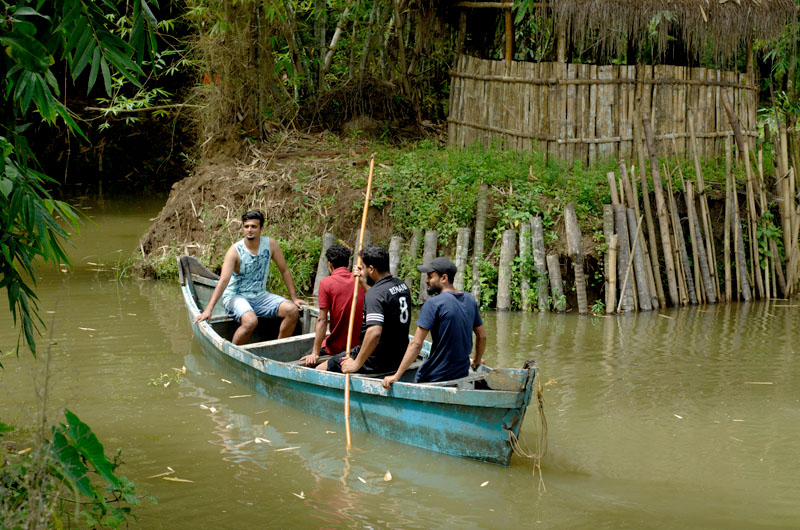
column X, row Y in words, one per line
column 355, row 300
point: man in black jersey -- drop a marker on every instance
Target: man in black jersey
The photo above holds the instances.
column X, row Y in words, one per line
column 387, row 316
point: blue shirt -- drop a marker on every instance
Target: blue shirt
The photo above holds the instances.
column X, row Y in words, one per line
column 451, row 318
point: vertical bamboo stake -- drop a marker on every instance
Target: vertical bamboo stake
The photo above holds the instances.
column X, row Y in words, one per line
column 651, row 284
column 322, row 265
column 462, row 252
column 612, row 186
column 745, row 152
column 741, row 257
column 661, row 209
column 630, row 261
column 705, row 274
column 524, row 255
column 726, row 248
column 687, row 278
column 477, row 249
column 608, row 231
column 509, row 36
column 554, row 272
column 575, row 248
column 611, row 300
column 413, row 251
column 355, row 300
column 704, row 212
column 626, row 293
column 428, row 253
column 507, row 251
column 540, row 262
column 638, row 264
column 693, row 239
column 395, row 246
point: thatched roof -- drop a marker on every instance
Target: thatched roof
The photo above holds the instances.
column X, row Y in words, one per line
column 724, row 24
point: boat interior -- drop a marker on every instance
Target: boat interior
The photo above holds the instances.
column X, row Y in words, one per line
column 265, row 343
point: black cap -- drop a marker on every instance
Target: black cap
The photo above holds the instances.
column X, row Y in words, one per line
column 441, row 265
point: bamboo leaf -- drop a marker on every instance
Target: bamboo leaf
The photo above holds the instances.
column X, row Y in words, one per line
column 95, row 69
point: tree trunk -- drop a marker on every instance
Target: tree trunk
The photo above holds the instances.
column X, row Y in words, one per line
column 554, row 271
column 322, row 265
column 575, row 247
column 395, row 246
column 626, row 301
column 525, row 258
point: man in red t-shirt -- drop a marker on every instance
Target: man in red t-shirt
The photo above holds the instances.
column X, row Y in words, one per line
column 335, row 299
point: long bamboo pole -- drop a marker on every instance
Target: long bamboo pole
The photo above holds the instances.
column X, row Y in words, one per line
column 355, row 299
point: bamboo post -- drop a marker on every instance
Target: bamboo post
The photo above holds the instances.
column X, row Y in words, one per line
column 751, row 205
column 611, row 296
column 462, row 252
column 704, row 211
column 507, row 251
column 726, row 244
column 661, row 210
column 741, row 258
column 477, row 249
column 554, row 272
column 630, row 261
column 693, row 240
column 524, row 254
column 575, row 248
column 428, row 253
column 626, row 301
column 638, row 264
column 349, row 343
column 608, row 231
column 509, row 55
column 322, row 264
column 540, row 263
column 413, row 252
column 395, row 246
column 612, row 186
column 705, row 274
column 680, row 242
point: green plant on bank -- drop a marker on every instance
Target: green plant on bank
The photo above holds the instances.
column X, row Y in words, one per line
column 766, row 234
column 64, row 480
column 82, row 38
column 598, row 307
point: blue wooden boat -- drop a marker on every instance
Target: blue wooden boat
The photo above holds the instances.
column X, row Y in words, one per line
column 478, row 416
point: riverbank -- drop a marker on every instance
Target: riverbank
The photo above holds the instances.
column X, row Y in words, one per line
column 311, row 184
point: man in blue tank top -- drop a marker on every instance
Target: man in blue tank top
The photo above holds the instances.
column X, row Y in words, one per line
column 243, row 283
column 452, row 317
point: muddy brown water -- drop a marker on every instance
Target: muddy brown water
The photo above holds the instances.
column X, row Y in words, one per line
column 679, row 419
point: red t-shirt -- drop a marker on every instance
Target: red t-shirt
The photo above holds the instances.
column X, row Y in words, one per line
column 336, row 295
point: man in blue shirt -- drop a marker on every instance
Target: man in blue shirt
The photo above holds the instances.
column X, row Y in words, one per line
column 452, row 317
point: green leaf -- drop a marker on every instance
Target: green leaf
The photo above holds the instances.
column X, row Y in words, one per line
column 69, row 463
column 87, row 444
column 95, row 69
column 4, row 427
column 6, row 186
column 106, row 75
column 28, row 52
column 25, row 11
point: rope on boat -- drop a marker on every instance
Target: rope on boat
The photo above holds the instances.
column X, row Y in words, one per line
column 520, row 448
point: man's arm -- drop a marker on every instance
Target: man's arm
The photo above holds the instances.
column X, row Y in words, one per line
column 371, row 339
column 286, row 274
column 412, row 352
column 228, row 265
column 480, row 346
column 322, row 326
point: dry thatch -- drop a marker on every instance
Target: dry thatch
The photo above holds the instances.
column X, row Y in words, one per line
column 725, row 25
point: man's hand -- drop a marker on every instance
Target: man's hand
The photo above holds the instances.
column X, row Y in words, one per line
column 311, row 359
column 205, row 315
column 389, row 380
column 475, row 363
column 349, row 365
column 298, row 302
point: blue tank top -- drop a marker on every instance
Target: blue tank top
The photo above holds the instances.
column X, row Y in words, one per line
column 251, row 280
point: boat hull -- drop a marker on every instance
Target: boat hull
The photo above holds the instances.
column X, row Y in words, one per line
column 463, row 422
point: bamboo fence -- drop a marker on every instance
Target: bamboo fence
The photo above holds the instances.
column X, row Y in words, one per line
column 585, row 111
